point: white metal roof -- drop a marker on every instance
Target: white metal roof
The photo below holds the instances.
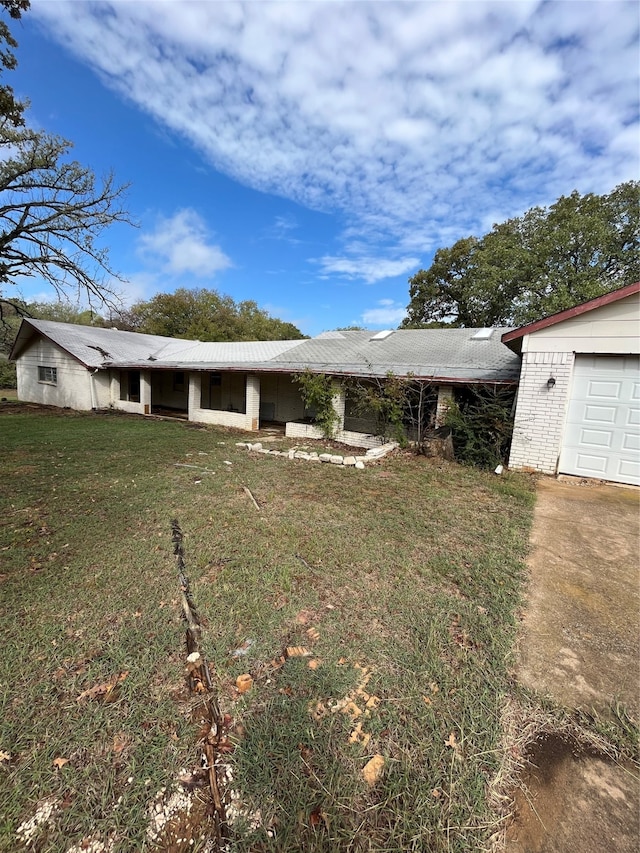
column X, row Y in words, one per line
column 446, row 354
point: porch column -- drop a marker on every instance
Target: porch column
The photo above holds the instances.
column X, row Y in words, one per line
column 445, row 399
column 195, row 380
column 252, row 400
column 338, row 403
column 114, row 386
column 145, row 391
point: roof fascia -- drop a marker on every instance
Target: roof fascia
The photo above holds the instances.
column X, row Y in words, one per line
column 568, row 313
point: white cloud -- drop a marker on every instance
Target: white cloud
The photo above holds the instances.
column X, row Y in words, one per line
column 416, row 121
column 389, row 314
column 181, row 244
column 367, row 269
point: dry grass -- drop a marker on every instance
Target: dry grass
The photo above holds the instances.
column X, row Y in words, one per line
column 402, row 583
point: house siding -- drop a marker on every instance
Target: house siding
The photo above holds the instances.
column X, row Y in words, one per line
column 73, row 383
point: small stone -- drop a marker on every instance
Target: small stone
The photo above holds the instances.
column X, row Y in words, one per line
column 256, row 446
column 349, row 460
column 325, row 457
column 336, row 460
column 291, row 454
column 360, row 464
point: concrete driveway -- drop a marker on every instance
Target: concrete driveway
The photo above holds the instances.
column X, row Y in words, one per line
column 580, row 646
column 582, row 624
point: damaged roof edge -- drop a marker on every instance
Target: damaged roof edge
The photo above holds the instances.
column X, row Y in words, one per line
column 500, row 377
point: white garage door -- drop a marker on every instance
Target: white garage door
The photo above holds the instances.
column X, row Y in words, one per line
column 602, row 431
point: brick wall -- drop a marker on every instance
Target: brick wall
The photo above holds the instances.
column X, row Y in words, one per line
column 541, row 411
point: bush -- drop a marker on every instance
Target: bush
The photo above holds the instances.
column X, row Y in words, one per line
column 7, row 374
column 481, row 421
column 318, row 391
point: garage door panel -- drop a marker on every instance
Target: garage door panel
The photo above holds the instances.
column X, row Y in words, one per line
column 631, row 441
column 598, row 414
column 628, row 472
column 596, row 438
column 633, row 418
column 602, row 429
column 605, row 390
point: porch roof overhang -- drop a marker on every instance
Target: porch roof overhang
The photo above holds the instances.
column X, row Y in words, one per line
column 442, row 374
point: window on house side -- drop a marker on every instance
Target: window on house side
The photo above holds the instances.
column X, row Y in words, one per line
column 48, row 374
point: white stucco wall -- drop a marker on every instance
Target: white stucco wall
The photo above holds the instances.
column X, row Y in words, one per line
column 541, row 411
column 73, row 383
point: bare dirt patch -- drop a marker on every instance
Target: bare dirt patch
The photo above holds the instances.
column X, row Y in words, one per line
column 572, row 799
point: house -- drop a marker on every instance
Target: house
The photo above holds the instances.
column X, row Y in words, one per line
column 577, row 373
column 246, row 384
column 578, row 408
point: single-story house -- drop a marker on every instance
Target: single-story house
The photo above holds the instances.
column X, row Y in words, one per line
column 578, row 409
column 246, row 384
column 577, row 373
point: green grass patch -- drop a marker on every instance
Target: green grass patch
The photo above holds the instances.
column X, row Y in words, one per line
column 402, row 582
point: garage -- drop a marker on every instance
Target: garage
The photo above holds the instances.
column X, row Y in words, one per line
column 602, row 432
column 578, row 407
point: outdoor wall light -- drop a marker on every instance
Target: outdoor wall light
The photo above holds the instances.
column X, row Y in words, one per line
column 551, row 382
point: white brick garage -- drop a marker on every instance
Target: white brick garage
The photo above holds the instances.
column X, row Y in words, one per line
column 578, row 409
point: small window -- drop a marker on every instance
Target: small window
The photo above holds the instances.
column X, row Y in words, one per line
column 178, row 380
column 48, row 374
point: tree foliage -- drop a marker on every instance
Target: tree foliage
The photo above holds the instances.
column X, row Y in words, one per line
column 11, row 110
column 481, row 422
column 318, row 391
column 53, row 210
column 530, row 267
column 205, row 315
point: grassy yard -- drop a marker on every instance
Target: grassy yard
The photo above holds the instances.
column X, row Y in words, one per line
column 395, row 589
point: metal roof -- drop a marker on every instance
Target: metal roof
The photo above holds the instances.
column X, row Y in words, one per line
column 439, row 353
column 445, row 354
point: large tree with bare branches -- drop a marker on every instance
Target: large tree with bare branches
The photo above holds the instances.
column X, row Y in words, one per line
column 53, row 210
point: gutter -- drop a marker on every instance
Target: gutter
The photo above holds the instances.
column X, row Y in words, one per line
column 92, row 390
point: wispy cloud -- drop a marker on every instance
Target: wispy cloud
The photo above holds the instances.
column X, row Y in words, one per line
column 282, row 229
column 366, row 269
column 389, row 313
column 180, row 244
column 416, row 121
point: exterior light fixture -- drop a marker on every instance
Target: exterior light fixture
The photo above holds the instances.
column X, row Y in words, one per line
column 551, row 382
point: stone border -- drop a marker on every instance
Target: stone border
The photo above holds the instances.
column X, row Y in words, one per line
column 349, row 461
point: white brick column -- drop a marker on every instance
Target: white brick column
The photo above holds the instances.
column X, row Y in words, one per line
column 195, row 384
column 541, row 411
column 445, row 399
column 338, row 402
column 253, row 400
column 114, row 387
column 145, row 391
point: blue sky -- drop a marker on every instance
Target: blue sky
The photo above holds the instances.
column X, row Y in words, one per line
column 312, row 156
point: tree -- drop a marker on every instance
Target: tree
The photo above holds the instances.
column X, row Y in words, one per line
column 52, row 209
column 205, row 315
column 529, row 267
column 10, row 109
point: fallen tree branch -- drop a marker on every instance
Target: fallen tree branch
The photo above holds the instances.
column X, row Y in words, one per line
column 200, row 680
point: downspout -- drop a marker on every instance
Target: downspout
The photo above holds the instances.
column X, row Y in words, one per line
column 92, row 390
